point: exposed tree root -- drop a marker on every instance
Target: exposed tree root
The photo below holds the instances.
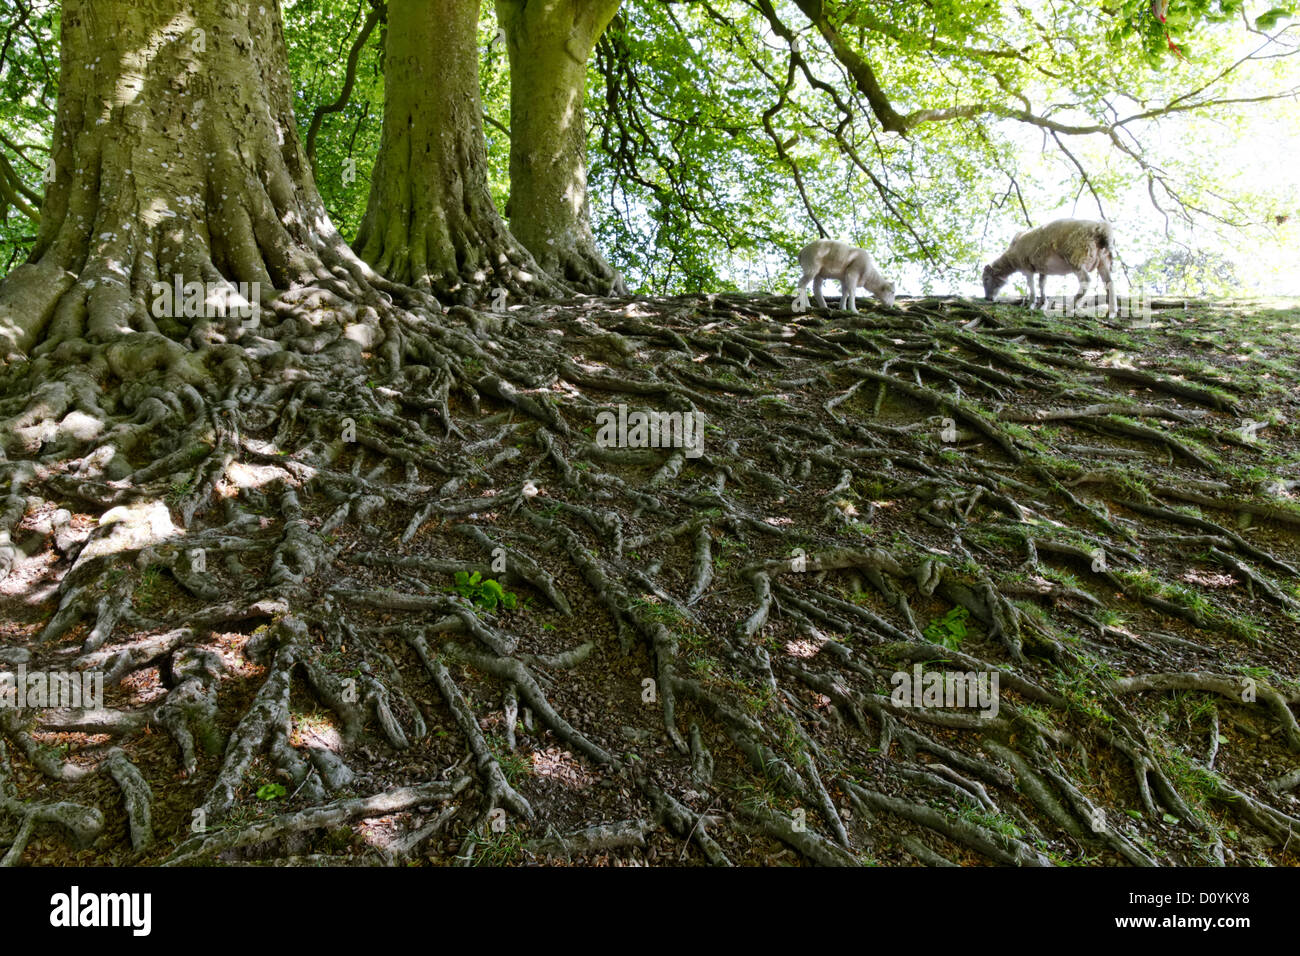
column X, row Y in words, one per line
column 207, row 847
column 371, row 541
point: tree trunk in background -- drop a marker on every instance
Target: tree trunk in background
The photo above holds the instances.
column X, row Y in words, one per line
column 176, row 154
column 550, row 43
column 430, row 221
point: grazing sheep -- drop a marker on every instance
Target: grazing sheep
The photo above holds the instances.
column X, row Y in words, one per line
column 828, row 259
column 1064, row 247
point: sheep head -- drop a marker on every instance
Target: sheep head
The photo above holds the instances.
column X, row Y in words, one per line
column 992, row 282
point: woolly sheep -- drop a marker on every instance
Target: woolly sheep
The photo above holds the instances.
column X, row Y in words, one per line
column 828, row 259
column 1064, row 247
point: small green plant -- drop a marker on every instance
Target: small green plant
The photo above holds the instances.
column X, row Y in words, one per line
column 1111, row 618
column 654, row 611
column 513, row 766
column 177, row 490
column 701, row 665
column 997, row 822
column 494, row 848
column 271, row 791
column 148, row 591
column 725, row 548
column 949, row 629
column 487, row 594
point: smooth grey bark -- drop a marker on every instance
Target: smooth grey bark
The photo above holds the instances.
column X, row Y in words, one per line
column 549, row 45
column 430, row 221
column 175, row 154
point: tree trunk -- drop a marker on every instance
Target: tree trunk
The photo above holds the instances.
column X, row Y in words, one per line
column 430, row 221
column 549, row 45
column 176, row 155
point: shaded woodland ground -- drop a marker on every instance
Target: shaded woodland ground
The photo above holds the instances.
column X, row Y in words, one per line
column 1105, row 512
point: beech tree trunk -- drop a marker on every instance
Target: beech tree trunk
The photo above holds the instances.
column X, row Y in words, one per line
column 549, row 45
column 430, row 221
column 176, row 155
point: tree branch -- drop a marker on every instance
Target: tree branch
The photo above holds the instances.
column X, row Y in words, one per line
column 349, row 80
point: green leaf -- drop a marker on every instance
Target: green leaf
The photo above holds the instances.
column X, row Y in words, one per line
column 1268, row 20
column 476, row 578
column 1134, row 814
column 462, row 578
column 509, row 600
column 1170, row 818
column 271, row 791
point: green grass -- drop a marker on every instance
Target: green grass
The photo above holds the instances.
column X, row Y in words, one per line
column 997, row 822
column 1208, row 615
column 727, row 547
column 152, row 587
column 495, row 848
column 658, row 612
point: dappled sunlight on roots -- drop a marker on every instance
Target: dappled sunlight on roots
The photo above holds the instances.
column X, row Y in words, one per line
column 462, row 600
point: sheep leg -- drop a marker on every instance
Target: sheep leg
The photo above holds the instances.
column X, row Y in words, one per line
column 1042, row 291
column 802, row 291
column 1084, row 282
column 1029, row 277
column 849, row 293
column 1103, row 270
column 817, row 292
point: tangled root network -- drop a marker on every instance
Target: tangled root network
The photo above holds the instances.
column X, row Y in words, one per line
column 369, row 583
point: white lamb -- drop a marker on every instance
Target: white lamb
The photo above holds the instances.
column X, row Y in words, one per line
column 828, row 259
column 1064, row 247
